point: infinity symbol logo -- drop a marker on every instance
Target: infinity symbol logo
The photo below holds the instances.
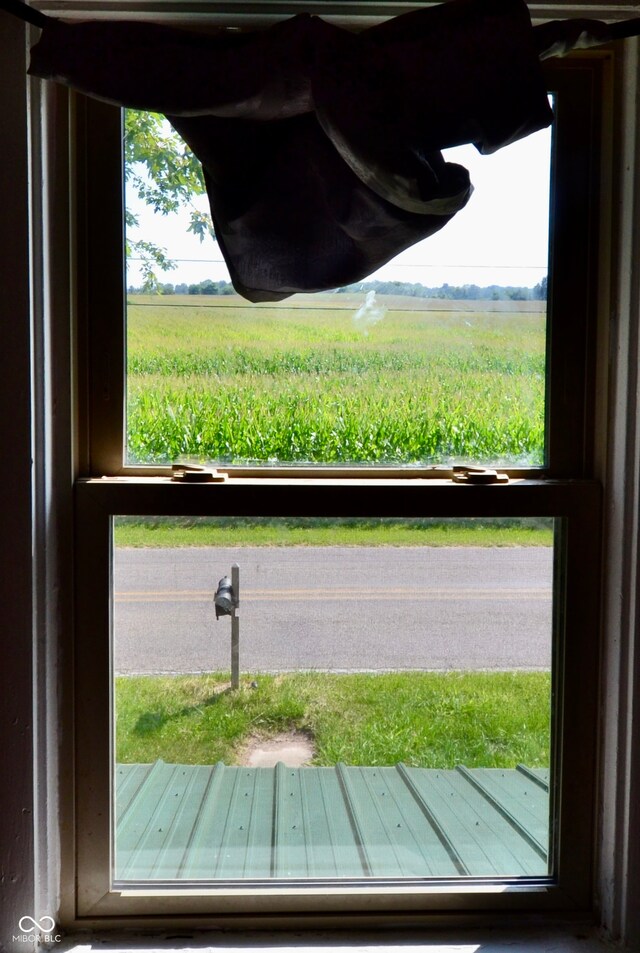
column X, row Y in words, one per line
column 46, row 925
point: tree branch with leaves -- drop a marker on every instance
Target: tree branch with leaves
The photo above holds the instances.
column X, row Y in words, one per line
column 165, row 175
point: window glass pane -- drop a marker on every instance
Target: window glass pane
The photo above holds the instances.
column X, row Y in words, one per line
column 437, row 358
column 388, row 715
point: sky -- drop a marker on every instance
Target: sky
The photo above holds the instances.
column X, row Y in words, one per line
column 500, row 237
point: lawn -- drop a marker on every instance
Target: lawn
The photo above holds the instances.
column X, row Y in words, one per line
column 177, row 532
column 218, row 379
column 426, row 719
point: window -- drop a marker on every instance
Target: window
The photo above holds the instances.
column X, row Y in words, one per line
column 558, row 493
column 416, row 679
column 437, row 358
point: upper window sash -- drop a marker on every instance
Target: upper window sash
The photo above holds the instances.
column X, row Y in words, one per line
column 576, row 85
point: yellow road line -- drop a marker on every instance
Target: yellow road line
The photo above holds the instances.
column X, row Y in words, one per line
column 270, row 595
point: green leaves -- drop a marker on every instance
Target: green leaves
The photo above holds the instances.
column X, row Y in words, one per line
column 165, row 175
column 174, row 173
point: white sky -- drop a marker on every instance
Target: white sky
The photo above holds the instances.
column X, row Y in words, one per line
column 500, row 237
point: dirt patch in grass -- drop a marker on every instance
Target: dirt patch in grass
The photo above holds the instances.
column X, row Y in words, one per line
column 293, row 748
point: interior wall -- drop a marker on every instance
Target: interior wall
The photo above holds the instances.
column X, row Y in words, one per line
column 16, row 707
column 618, row 882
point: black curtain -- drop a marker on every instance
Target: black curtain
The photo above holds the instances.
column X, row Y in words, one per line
column 321, row 147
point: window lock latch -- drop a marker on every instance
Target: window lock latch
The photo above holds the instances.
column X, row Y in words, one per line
column 183, row 473
column 478, row 475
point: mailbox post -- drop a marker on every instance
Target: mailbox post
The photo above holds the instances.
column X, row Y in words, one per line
column 227, row 600
column 235, row 627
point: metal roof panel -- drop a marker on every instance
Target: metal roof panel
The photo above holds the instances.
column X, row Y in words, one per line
column 219, row 822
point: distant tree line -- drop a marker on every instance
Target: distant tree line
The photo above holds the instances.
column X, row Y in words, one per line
column 453, row 292
column 207, row 287
column 404, row 288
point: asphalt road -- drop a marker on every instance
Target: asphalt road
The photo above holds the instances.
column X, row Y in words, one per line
column 339, row 609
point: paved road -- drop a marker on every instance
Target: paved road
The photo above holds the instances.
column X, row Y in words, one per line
column 341, row 609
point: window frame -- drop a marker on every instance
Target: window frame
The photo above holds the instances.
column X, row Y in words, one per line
column 561, row 488
column 571, row 312
column 575, row 672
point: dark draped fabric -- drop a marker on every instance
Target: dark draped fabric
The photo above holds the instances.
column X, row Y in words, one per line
column 321, row 147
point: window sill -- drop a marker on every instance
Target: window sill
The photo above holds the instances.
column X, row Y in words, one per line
column 532, row 940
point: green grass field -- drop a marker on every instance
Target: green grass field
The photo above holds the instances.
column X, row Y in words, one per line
column 172, row 532
column 427, row 719
column 217, row 379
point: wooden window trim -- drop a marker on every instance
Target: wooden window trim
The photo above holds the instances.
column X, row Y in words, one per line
column 111, row 489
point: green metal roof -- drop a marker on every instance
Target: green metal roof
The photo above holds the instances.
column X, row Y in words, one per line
column 215, row 822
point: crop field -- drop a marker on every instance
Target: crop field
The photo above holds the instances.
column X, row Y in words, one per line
column 218, row 379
